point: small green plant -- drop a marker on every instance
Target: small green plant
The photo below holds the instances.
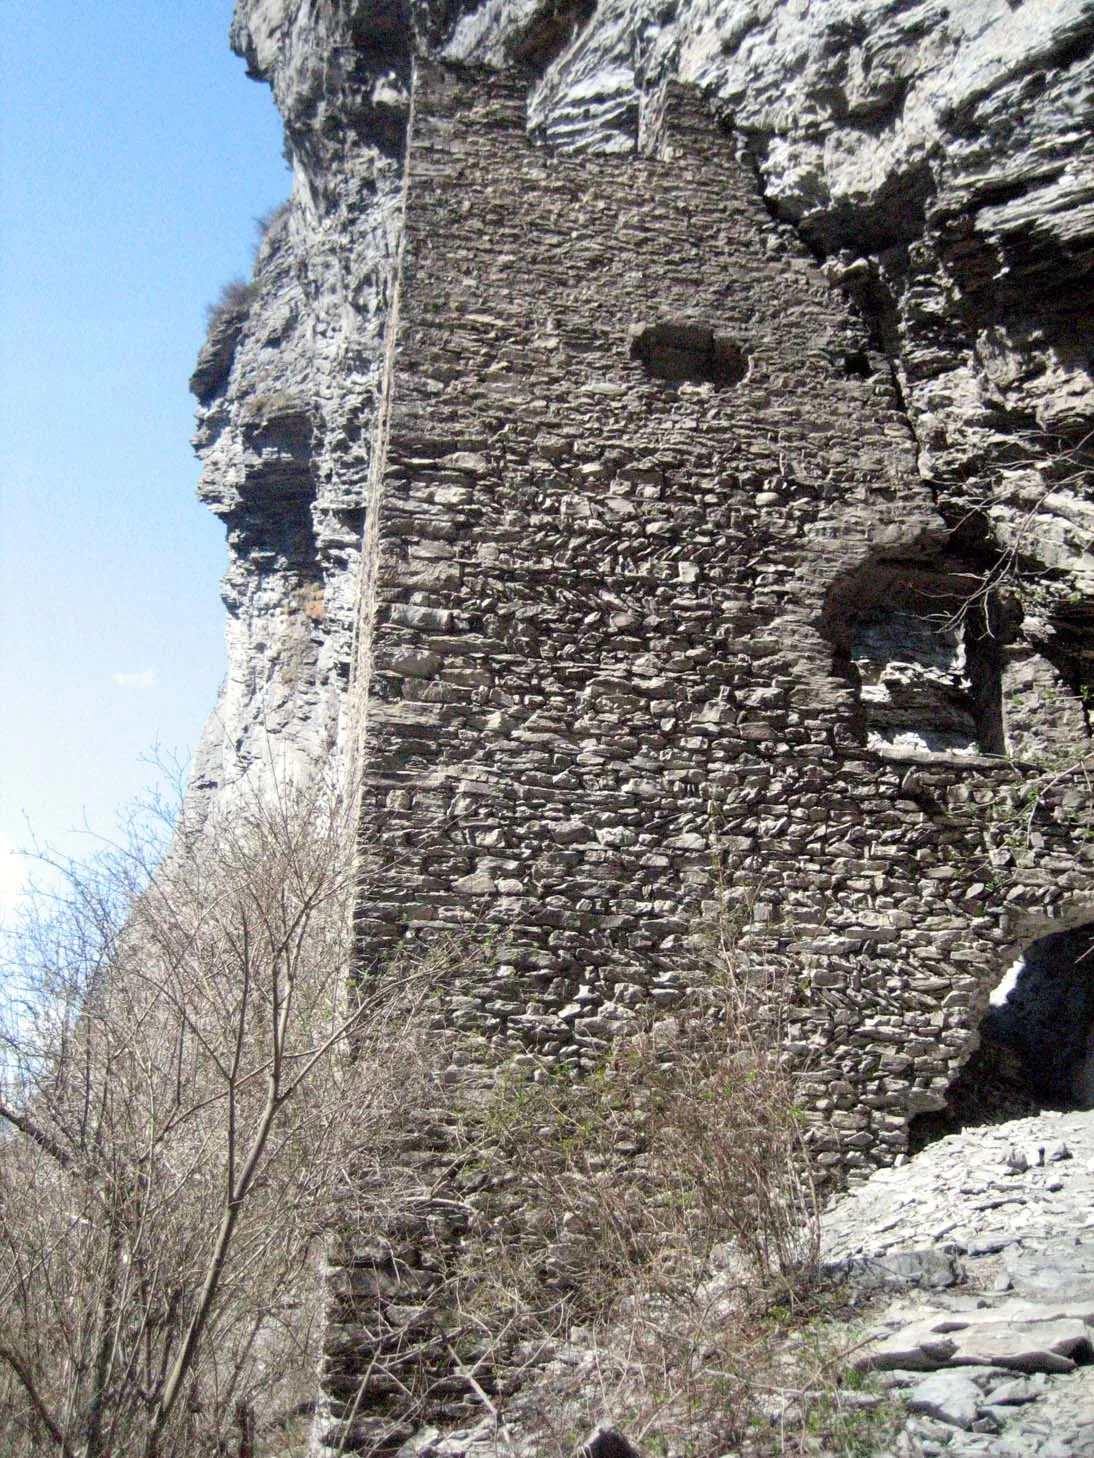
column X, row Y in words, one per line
column 657, row 1203
column 850, row 1420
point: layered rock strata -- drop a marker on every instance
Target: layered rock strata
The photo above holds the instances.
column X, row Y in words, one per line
column 288, row 383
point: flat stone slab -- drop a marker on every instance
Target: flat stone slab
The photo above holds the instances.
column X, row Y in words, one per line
column 1001, row 1366
column 1063, row 1273
column 928, row 1270
column 992, row 1338
column 1052, row 1346
column 948, row 1396
column 1015, row 1392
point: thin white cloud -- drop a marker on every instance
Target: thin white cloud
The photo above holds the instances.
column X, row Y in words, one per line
column 144, row 679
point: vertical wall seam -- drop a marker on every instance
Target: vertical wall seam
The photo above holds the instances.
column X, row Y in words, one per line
column 357, row 698
column 361, row 670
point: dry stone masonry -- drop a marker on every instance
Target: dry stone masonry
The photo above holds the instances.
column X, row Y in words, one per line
column 854, row 494
column 662, row 626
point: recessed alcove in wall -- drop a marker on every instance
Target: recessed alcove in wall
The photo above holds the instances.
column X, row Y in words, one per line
column 1069, row 648
column 683, row 350
column 1036, row 1041
column 271, row 519
column 857, row 364
column 921, row 646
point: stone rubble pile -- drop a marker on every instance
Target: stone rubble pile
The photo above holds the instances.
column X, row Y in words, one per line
column 991, row 1234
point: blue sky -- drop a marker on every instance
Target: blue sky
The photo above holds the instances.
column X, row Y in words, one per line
column 135, row 155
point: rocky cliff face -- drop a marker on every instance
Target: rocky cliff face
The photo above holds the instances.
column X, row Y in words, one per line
column 939, row 161
column 287, row 386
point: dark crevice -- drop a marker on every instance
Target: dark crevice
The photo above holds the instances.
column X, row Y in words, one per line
column 755, row 148
column 896, row 215
column 989, row 1090
column 1069, row 647
column 875, row 114
column 552, row 28
column 271, row 526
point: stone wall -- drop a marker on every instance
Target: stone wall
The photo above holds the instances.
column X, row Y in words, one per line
column 662, row 633
column 649, row 550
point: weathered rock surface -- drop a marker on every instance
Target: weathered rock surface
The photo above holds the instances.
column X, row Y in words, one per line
column 287, row 386
column 976, row 1194
column 286, row 433
column 940, row 158
column 1010, row 1210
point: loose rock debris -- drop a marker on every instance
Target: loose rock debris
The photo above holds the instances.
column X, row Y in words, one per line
column 989, row 1237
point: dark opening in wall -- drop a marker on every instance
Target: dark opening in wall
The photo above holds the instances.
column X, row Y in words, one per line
column 1045, row 1015
column 856, row 363
column 1036, row 1041
column 921, row 646
column 681, row 350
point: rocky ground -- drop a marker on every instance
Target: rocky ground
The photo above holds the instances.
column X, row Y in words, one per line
column 985, row 1244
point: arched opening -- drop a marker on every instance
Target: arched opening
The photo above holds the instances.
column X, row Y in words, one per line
column 1036, row 1041
column 1043, row 1012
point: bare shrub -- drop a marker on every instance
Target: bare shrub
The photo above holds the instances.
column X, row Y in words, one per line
column 235, row 297
column 656, row 1211
column 175, row 1136
column 686, row 1136
column 265, row 222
